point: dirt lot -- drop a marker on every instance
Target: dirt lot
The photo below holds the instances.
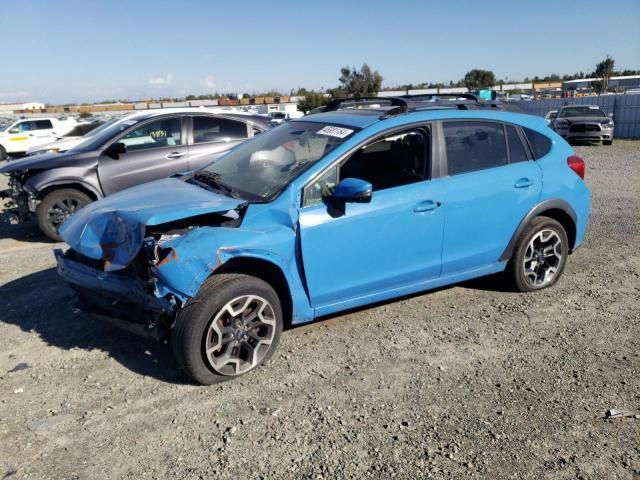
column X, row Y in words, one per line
column 464, row 382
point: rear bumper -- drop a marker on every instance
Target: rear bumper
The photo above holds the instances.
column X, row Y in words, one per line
column 123, row 301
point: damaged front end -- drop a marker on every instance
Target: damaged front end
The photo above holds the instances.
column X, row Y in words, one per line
column 18, row 202
column 123, row 263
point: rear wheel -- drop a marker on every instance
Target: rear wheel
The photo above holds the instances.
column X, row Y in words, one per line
column 229, row 328
column 540, row 255
column 56, row 207
column 3, row 153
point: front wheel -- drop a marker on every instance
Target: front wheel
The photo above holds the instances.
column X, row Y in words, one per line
column 56, row 207
column 540, row 255
column 229, row 328
column 607, row 142
column 3, row 153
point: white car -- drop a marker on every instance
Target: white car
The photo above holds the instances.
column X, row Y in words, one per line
column 550, row 117
column 24, row 134
column 279, row 117
column 74, row 137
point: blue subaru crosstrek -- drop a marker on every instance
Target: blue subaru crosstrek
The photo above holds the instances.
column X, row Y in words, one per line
column 367, row 201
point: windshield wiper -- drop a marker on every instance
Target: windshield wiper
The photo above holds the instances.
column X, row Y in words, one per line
column 213, row 179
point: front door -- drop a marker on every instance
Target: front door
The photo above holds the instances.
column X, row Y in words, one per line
column 155, row 150
column 391, row 242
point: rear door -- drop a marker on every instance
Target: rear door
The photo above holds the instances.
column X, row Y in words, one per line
column 492, row 184
column 156, row 149
column 211, row 136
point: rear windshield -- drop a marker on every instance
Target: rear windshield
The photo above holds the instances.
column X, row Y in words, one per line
column 586, row 111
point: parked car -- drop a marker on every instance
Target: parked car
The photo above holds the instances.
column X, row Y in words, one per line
column 330, row 212
column 73, row 137
column 18, row 137
column 585, row 123
column 550, row 117
column 279, row 117
column 138, row 148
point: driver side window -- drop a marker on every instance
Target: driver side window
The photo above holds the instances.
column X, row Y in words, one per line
column 392, row 161
column 166, row 132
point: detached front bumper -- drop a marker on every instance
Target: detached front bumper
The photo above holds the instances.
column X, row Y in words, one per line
column 118, row 298
column 18, row 204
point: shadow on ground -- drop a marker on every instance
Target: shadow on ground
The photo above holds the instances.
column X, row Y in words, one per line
column 43, row 304
column 26, row 231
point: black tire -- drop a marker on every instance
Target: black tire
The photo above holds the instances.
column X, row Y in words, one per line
column 191, row 330
column 515, row 273
column 56, row 207
column 607, row 142
column 3, row 153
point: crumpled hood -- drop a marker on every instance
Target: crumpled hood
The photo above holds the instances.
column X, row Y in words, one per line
column 112, row 229
column 46, row 161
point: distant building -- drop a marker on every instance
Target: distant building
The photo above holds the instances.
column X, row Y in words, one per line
column 8, row 108
column 627, row 82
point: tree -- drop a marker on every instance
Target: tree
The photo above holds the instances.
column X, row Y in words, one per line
column 477, row 79
column 604, row 70
column 312, row 100
column 358, row 83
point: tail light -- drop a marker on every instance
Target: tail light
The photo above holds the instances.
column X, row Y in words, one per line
column 577, row 165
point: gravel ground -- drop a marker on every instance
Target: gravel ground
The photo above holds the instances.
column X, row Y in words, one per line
column 463, row 382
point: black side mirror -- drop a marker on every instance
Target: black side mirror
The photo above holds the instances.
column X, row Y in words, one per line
column 115, row 150
column 353, row 190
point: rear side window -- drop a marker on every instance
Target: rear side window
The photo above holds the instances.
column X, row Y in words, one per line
column 539, row 143
column 517, row 151
column 43, row 124
column 215, row 129
column 473, row 146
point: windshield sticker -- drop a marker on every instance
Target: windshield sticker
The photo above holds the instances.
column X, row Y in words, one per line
column 335, row 132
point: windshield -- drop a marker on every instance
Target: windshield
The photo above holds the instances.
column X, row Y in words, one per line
column 262, row 167
column 585, row 111
column 83, row 129
column 95, row 140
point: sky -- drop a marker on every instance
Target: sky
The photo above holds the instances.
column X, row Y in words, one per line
column 69, row 51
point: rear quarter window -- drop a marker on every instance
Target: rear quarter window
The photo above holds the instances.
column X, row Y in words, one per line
column 540, row 144
column 43, row 124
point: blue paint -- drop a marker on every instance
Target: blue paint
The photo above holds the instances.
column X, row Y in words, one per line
column 404, row 240
column 113, row 228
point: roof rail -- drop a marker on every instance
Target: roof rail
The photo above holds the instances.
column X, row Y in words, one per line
column 437, row 96
column 392, row 101
column 407, row 103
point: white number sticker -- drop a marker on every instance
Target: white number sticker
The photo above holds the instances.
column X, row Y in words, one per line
column 335, row 131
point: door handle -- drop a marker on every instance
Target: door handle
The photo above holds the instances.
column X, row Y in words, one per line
column 173, row 155
column 524, row 183
column 426, row 206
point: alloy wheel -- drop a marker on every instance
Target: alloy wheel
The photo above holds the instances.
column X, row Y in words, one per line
column 61, row 210
column 240, row 335
column 543, row 257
